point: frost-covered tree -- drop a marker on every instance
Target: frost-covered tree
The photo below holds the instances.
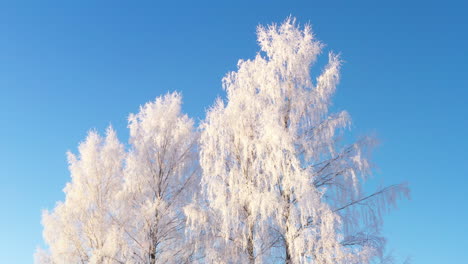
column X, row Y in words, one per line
column 159, row 180
column 276, row 181
column 127, row 207
column 79, row 230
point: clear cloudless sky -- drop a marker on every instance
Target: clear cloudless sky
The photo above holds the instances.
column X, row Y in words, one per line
column 70, row 66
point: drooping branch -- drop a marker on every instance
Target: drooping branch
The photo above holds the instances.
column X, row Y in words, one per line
column 391, row 191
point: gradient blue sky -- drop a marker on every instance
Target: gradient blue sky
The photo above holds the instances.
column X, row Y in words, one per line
column 68, row 67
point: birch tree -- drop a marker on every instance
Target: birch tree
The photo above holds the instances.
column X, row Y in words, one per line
column 159, row 180
column 128, row 214
column 79, row 229
column 277, row 182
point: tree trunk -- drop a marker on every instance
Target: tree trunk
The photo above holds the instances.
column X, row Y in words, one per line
column 152, row 254
column 288, row 259
column 152, row 258
column 287, row 246
column 250, row 238
column 250, row 251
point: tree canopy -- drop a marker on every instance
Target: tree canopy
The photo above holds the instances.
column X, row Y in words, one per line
column 265, row 178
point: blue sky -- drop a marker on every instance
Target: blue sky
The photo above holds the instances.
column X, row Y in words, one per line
column 68, row 67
